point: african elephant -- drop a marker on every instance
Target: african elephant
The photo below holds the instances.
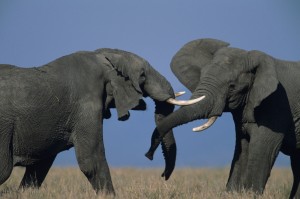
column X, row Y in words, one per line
column 262, row 94
column 48, row 109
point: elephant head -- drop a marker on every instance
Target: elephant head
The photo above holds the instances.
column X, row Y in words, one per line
column 229, row 80
column 131, row 78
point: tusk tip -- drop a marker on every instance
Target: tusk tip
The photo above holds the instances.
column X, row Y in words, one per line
column 206, row 125
column 197, row 129
column 179, row 93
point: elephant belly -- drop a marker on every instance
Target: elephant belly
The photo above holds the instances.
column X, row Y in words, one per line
column 36, row 109
column 40, row 131
column 39, row 134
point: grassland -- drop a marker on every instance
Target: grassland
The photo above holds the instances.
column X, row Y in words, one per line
column 133, row 183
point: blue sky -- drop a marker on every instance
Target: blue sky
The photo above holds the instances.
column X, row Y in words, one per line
column 35, row 32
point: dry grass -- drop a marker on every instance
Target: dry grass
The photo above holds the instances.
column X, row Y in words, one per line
column 133, row 183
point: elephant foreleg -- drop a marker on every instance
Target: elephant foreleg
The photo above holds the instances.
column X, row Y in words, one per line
column 240, row 158
column 35, row 174
column 295, row 163
column 264, row 147
column 90, row 154
column 239, row 164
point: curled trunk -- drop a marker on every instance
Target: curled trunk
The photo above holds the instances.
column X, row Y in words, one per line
column 163, row 133
column 168, row 143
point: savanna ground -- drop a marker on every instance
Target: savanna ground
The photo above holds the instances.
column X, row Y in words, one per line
column 131, row 183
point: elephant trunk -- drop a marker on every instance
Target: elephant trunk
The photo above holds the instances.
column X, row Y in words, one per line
column 162, row 110
column 163, row 132
column 184, row 115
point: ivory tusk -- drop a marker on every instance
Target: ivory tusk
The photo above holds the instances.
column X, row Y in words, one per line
column 179, row 93
column 206, row 125
column 185, row 102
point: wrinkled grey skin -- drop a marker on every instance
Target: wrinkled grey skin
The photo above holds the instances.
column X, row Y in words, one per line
column 261, row 92
column 48, row 109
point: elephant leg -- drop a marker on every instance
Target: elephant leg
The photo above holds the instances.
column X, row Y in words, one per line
column 295, row 163
column 238, row 165
column 36, row 173
column 6, row 156
column 90, row 155
column 264, row 147
column 240, row 158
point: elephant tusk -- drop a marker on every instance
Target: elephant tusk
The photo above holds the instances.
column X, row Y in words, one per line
column 179, row 93
column 206, row 125
column 185, row 102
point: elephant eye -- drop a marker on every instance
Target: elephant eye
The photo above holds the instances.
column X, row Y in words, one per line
column 142, row 78
column 231, row 87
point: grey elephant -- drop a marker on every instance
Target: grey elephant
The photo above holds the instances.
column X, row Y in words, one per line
column 48, row 109
column 262, row 94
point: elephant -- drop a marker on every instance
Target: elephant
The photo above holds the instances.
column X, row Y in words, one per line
column 261, row 92
column 48, row 109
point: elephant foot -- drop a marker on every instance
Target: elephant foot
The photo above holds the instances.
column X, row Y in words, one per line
column 166, row 174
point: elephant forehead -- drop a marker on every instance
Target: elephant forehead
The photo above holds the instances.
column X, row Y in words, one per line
column 230, row 52
column 222, row 60
column 220, row 73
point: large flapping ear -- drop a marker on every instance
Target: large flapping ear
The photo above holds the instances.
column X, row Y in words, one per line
column 127, row 64
column 192, row 57
column 123, row 82
column 125, row 95
column 265, row 81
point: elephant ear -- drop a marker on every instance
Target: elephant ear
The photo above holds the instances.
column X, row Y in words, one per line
column 125, row 96
column 188, row 62
column 127, row 64
column 265, row 81
column 124, row 78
